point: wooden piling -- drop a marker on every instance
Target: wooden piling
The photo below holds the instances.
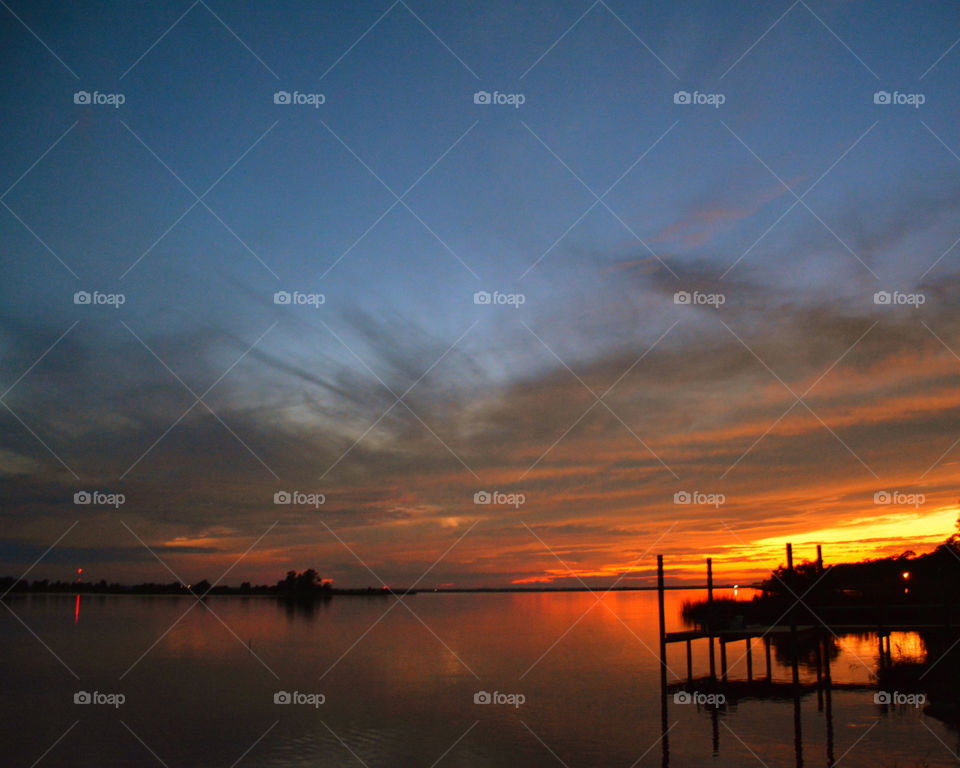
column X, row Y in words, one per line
column 723, row 659
column 663, row 625
column 749, row 660
column 664, row 730
column 794, row 660
column 689, row 663
column 713, row 661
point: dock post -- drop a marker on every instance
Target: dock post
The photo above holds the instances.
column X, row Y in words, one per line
column 819, row 559
column 749, row 660
column 794, row 662
column 766, row 651
column 664, row 730
column 689, row 663
column 663, row 628
column 713, row 661
column 723, row 660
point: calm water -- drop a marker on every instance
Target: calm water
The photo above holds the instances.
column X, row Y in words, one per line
column 403, row 695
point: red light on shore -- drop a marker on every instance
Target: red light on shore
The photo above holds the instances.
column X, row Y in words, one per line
column 79, row 570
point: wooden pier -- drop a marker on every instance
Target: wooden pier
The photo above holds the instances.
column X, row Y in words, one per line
column 721, row 637
column 764, row 687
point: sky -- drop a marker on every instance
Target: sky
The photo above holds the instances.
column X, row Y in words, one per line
column 679, row 279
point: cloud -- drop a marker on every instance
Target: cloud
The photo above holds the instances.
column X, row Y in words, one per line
column 699, row 224
column 399, row 477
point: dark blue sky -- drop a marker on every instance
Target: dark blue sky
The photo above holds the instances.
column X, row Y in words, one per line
column 493, row 198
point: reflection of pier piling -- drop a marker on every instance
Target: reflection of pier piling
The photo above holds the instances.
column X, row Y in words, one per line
column 713, row 663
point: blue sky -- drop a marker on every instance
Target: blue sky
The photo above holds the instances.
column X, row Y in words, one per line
column 503, row 199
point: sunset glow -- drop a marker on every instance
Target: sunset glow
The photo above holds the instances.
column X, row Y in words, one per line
column 507, row 379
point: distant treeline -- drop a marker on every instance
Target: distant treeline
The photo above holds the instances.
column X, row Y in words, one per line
column 295, row 584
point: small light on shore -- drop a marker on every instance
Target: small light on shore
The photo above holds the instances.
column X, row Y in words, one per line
column 906, row 575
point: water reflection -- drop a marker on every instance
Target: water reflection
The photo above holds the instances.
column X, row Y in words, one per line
column 905, row 669
column 304, row 609
column 400, row 692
